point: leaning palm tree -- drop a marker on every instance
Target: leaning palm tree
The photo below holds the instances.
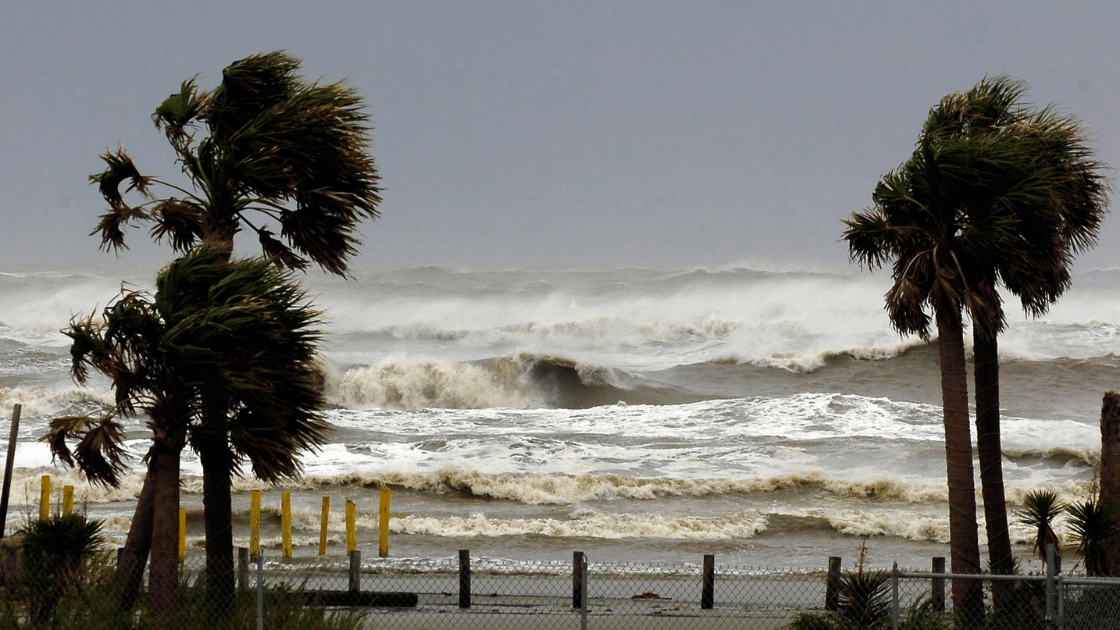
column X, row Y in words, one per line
column 264, row 152
column 239, row 330
column 1050, row 198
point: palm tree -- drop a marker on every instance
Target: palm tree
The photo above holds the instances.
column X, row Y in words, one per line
column 1051, row 198
column 241, row 330
column 276, row 153
column 1055, row 202
column 1040, row 508
column 1094, row 525
column 993, row 192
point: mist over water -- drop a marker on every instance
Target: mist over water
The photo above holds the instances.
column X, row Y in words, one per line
column 773, row 418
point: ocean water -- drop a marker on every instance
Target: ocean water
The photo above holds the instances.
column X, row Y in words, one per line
column 773, row 419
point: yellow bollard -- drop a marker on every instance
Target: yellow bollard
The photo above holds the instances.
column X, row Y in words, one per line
column 67, row 500
column 286, row 523
column 383, row 525
column 182, row 534
column 323, row 526
column 351, row 534
column 255, row 524
column 45, row 499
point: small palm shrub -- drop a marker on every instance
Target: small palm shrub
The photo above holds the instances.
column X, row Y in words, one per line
column 1094, row 524
column 55, row 554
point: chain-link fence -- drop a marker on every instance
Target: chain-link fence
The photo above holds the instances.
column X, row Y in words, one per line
column 349, row 594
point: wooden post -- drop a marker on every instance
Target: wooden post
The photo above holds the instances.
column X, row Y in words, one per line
column 286, row 524
column 577, row 583
column 383, row 525
column 937, row 593
column 464, row 578
column 351, row 532
column 12, row 435
column 255, row 524
column 323, row 526
column 182, row 534
column 708, row 590
column 355, row 571
column 45, row 499
column 67, row 500
column 243, row 568
column 832, row 587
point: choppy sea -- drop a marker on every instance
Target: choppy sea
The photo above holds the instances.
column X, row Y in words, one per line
column 773, row 419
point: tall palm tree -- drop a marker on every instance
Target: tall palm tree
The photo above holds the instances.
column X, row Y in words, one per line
column 1003, row 194
column 241, row 329
column 275, row 153
column 1054, row 202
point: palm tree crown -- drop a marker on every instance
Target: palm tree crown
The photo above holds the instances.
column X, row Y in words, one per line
column 276, row 153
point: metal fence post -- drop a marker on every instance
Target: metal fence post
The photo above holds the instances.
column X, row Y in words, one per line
column 260, row 589
column 583, row 590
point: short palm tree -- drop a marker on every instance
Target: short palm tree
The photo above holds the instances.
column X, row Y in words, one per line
column 1094, row 525
column 1040, row 508
column 264, row 152
column 241, row 330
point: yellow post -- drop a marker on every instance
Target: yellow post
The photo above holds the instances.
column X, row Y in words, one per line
column 67, row 500
column 255, row 523
column 182, row 534
column 351, row 534
column 286, row 523
column 45, row 499
column 383, row 525
column 323, row 526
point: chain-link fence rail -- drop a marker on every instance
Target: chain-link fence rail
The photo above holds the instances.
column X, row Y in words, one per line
column 350, row 594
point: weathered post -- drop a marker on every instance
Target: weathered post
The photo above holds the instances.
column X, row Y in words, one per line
column 355, row 571
column 832, row 584
column 243, row 568
column 323, row 519
column 12, row 435
column 383, row 524
column 1110, row 470
column 937, row 586
column 708, row 590
column 577, row 582
column 464, row 578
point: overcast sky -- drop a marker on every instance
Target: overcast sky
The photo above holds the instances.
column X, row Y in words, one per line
column 554, row 134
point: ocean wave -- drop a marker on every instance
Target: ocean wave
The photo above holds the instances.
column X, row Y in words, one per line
column 542, row 489
column 518, row 381
column 46, row 401
column 589, row 524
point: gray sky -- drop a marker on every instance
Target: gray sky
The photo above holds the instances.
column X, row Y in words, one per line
column 553, row 134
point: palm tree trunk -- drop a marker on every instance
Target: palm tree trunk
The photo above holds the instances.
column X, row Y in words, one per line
column 130, row 567
column 1110, row 472
column 217, row 467
column 163, row 581
column 963, row 538
column 990, row 455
